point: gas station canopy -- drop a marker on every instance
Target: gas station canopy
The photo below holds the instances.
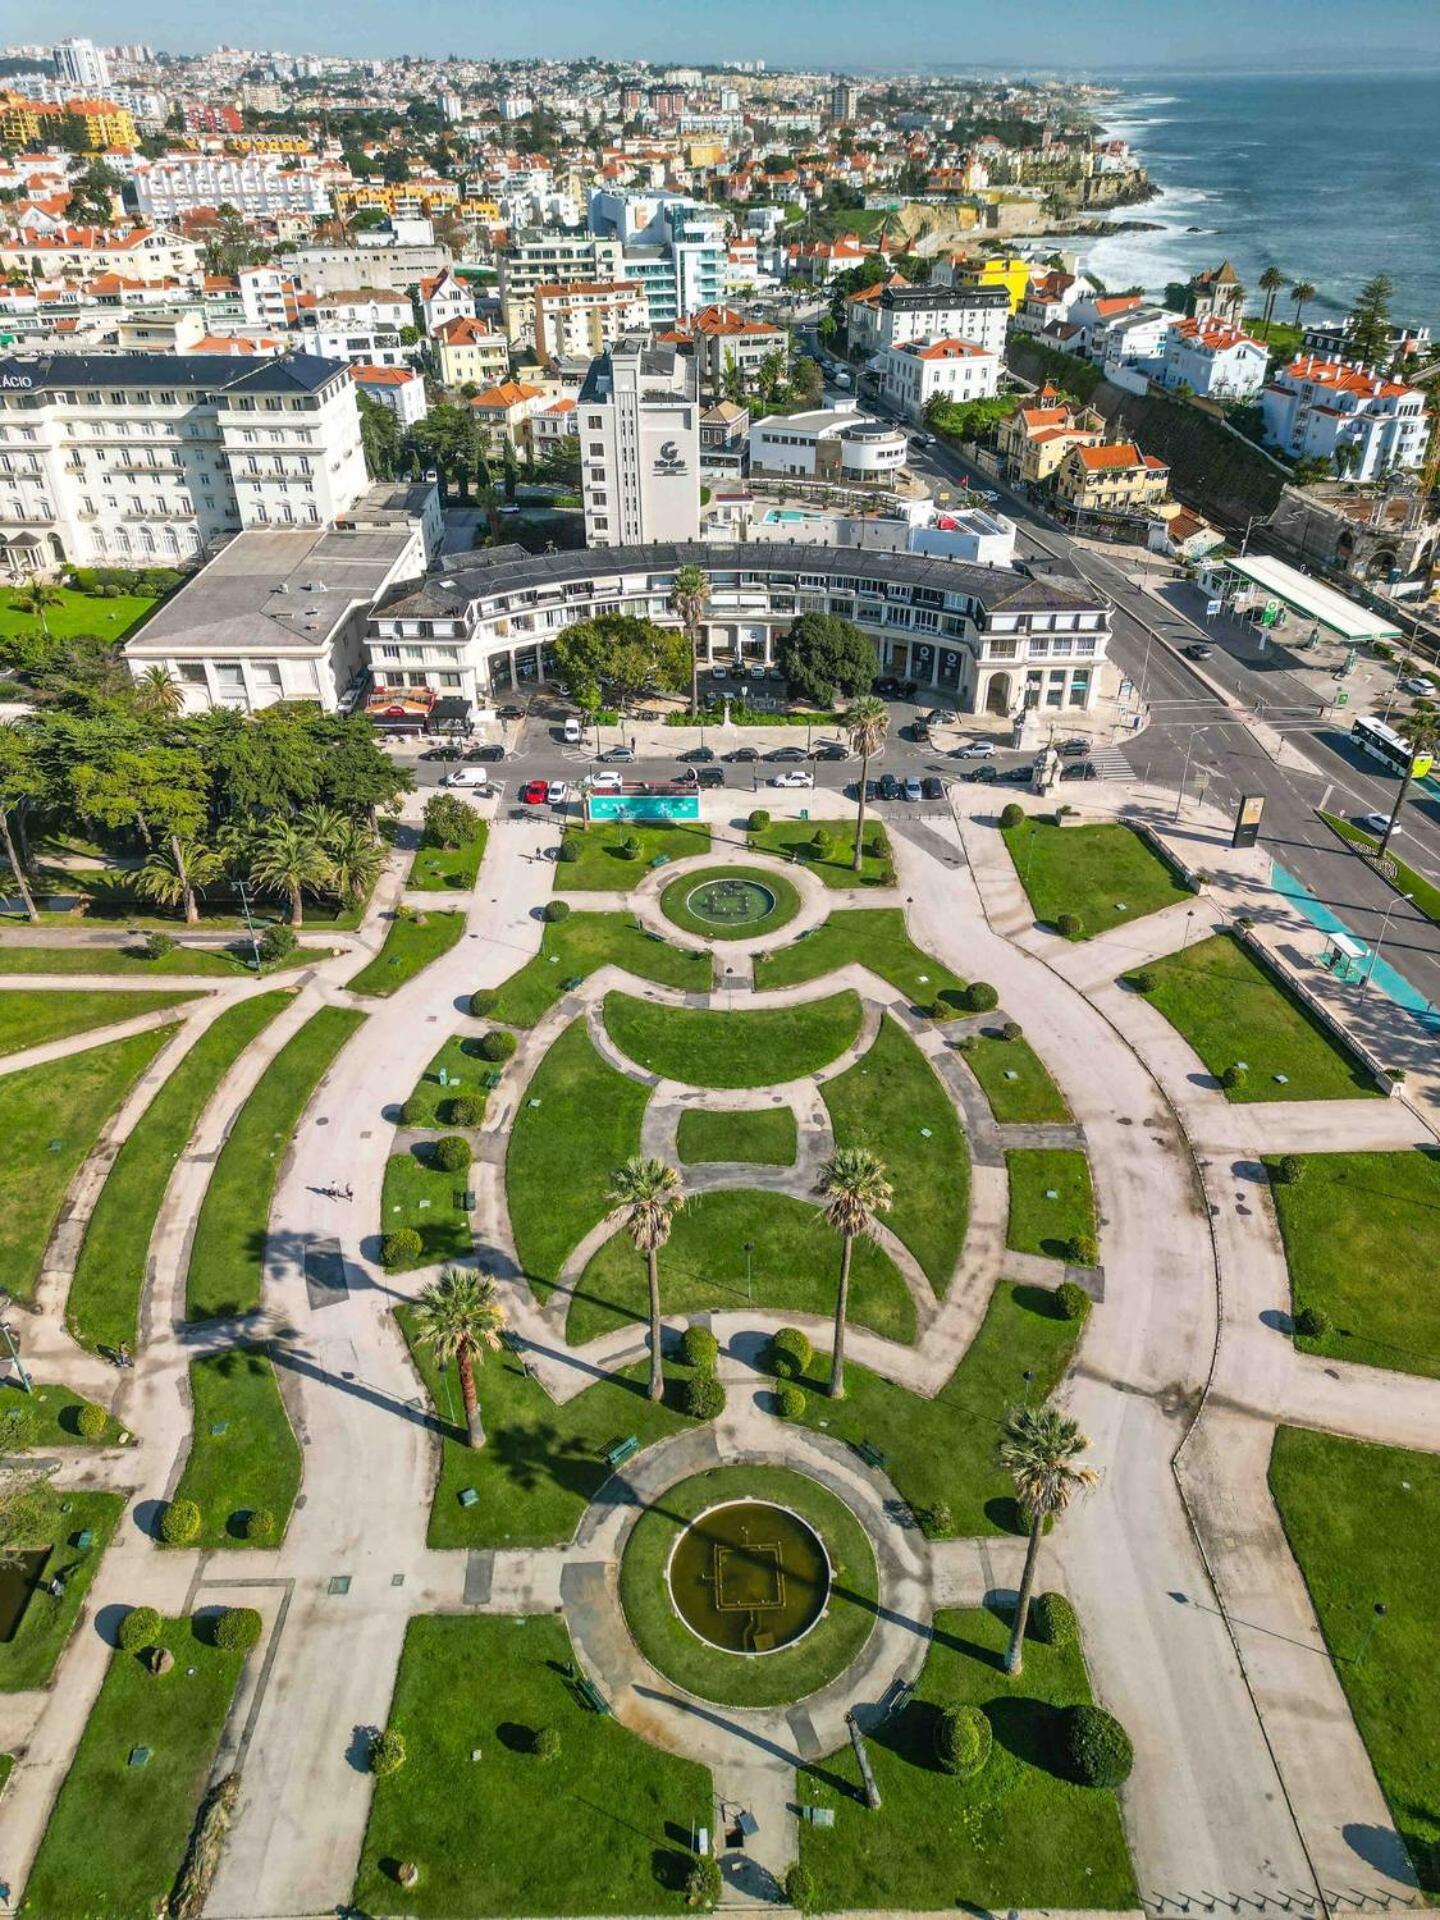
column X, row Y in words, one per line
column 1307, row 597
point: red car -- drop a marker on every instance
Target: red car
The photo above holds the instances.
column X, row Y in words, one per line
column 532, row 794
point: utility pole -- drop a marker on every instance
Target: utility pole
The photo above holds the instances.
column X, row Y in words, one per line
column 862, row 1760
column 243, row 888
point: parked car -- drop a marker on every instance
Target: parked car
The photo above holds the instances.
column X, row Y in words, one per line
column 887, row 687
column 1022, row 774
column 985, row 773
column 743, row 755
column 1376, row 823
column 557, row 793
column 932, row 788
column 780, row 754
column 574, row 731
column 872, row 790
column 889, row 787
column 532, row 794
column 976, row 750
column 718, row 672
column 1417, row 683
column 620, row 756
column 466, row 777
column 830, row 750
column 512, row 712
column 1198, row 650
column 607, row 783
column 486, row 753
column 1073, row 749
column 712, row 776
column 443, row 753
column 699, row 754
column 911, row 788
column 793, row 777
column 1078, row 770
column 757, row 673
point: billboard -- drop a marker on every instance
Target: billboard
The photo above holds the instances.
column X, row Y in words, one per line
column 1247, row 820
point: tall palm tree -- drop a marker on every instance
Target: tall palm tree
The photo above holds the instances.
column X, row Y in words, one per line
column 287, row 858
column 34, row 596
column 177, row 873
column 1302, row 293
column 1041, row 1447
column 1271, row 281
column 1420, row 732
column 866, row 722
column 689, row 597
column 356, row 856
column 854, row 1188
column 645, row 1195
column 459, row 1317
column 158, row 694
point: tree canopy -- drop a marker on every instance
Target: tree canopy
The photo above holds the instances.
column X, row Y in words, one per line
column 824, row 655
column 617, row 657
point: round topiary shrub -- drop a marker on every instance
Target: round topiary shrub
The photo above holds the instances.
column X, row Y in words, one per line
column 139, row 1629
column 699, row 1347
column 981, row 997
column 1097, row 1747
column 1141, row 982
column 1288, row 1170
column 1011, row 815
column 789, row 1353
column 453, row 1154
column 546, row 1744
column 387, row 1752
column 400, row 1248
column 800, row 1889
column 276, row 943
column 557, row 910
column 415, row 1112
column 1082, row 1250
column 1070, row 926
column 482, row 1000
column 1072, row 1302
column 939, row 1009
column 157, row 945
column 260, row 1524
column 91, row 1422
column 497, row 1045
column 759, row 820
column 630, row 847
column 879, row 844
column 790, row 1402
column 704, row 1885
column 1232, row 1077
column 704, row 1396
column 1052, row 1620
column 238, row 1628
column 179, row 1523
column 963, row 1739
column 822, row 847
column 569, row 851
column 1012, row 1030
column 464, row 1111
column 1312, row 1323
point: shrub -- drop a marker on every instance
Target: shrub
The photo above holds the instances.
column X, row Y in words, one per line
column 789, row 1353
column 1081, row 1250
column 1312, row 1323
column 546, row 1744
column 790, row 1402
column 464, row 1111
column 276, row 943
column 401, row 1248
column 887, row 875
column 453, row 1154
column 387, row 1752
column 965, row 1043
column 1012, row 1030
column 1143, row 981
column 939, row 1009
column 1072, row 1302
column 139, row 1629
column 822, row 847
column 1097, row 1747
column 556, row 910
column 1052, row 1620
column 699, row 1347
column 704, row 1885
column 238, row 1628
column 1070, row 925
column 1011, row 815
column 630, row 847
column 157, row 945
column 938, row 1521
column 91, row 1422
column 759, row 820
column 1232, row 1077
column 704, row 1396
column 569, row 851
column 800, row 1889
column 963, row 1739
column 497, row 1046
column 879, row 843
column 260, row 1524
column 179, row 1523
column 482, row 1000
column 415, row 1112
column 449, row 822
column 981, row 997
column 1288, row 1171
column 18, row 1429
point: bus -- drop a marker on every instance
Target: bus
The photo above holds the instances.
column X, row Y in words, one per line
column 1384, row 743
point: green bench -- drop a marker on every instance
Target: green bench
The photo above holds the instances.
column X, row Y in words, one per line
column 872, row 1456
column 591, row 1695
column 622, row 1450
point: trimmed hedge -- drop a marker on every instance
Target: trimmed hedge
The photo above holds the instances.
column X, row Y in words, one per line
column 790, row 1402
column 1053, row 1622
column 498, row 1046
column 963, row 1740
column 789, row 1353
column 238, row 1628
column 1097, row 1747
column 482, row 1000
column 91, row 1422
column 179, row 1523
column 981, row 997
column 139, row 1629
column 453, row 1154
column 387, row 1752
column 1072, row 1302
column 402, row 1248
column 704, row 1396
column 699, row 1347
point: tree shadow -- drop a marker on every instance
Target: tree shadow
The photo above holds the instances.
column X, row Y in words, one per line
column 1029, row 1729
column 357, row 1753
column 514, row 1737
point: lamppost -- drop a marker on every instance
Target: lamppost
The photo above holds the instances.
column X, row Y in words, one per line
column 1028, row 1376
column 1184, row 774
column 749, row 1250
column 13, row 1345
column 1404, row 899
column 1189, row 921
column 242, row 887
column 1378, row 1613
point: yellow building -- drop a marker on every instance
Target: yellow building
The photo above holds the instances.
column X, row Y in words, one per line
column 269, row 143
column 1115, row 479
column 32, row 123
column 20, row 121
column 1035, row 440
column 1000, row 271
column 422, row 196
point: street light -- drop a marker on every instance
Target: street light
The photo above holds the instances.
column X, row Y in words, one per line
column 1378, row 1613
column 749, row 1250
column 1404, row 899
column 13, row 1345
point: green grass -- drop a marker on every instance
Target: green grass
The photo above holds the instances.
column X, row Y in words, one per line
column 1019, row 1836
column 1039, row 1224
column 54, row 1408
column 118, row 1833
column 414, row 940
column 891, row 1102
column 795, row 1267
column 601, row 1828
column 76, row 613
column 7, row 1765
column 449, row 869
column 188, row 961
column 542, row 1462
column 103, row 1307
column 603, row 865
column 253, row 1463
column 791, row 840
column 1230, row 1007
column 574, row 948
column 1362, row 1521
column 227, row 1255
column 941, row 1453
column 764, row 1136
column 1032, row 1097
column 50, row 1118
column 106, row 897
column 1425, row 893
column 708, row 1048
column 1359, row 1232
column 464, row 1070
column 872, row 937
column 673, row 903
column 417, row 1194
column 34, row 1019
column 787, row 1674
column 1106, row 874
column 579, row 1121
column 29, row 1657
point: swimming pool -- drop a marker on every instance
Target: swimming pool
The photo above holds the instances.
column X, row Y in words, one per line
column 782, row 516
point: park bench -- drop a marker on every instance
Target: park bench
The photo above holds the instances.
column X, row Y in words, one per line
column 591, row 1695
column 818, row 1816
column 622, row 1450
column 490, row 1079
column 511, row 1341
column 871, row 1455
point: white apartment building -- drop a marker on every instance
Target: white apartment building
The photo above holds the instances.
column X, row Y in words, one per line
column 443, row 299
column 921, row 370
column 534, row 260
column 835, row 444
column 399, row 389
column 126, row 459
column 639, row 414
column 1134, row 341
column 82, row 66
column 258, row 185
column 398, row 265
column 1362, row 422
column 1214, row 359
column 581, row 318
column 143, row 253
column 267, row 296
column 358, row 345
column 977, row 314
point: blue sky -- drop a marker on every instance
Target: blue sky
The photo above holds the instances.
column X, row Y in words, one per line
column 1103, row 35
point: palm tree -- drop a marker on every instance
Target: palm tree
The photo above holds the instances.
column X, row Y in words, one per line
column 1420, row 732
column 866, row 722
column 288, row 858
column 177, row 873
column 1302, row 293
column 689, row 597
column 1271, row 281
column 356, row 856
column 459, row 1317
column 158, row 694
column 34, row 596
column 1041, row 1447
column 854, row 1188
column 645, row 1195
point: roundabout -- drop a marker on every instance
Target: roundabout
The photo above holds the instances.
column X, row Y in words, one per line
column 730, row 903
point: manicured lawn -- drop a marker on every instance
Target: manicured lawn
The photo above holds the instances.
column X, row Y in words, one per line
column 574, row 948
column 106, row 897
column 1362, row 1522
column 603, row 865
column 414, row 940
column 103, row 1307
column 792, row 840
column 50, row 1118
column 1231, row 1008
column 227, row 1255
column 75, row 613
column 417, row 1194
column 29, row 1656
column 765, row 1136
column 1039, row 1224
column 118, row 1834
column 707, row 1048
column 54, row 1410
column 243, row 1454
column 1359, row 1232
column 1014, row 1079
column 673, row 903
column 449, row 869
column 872, row 937
column 579, row 1121
column 542, row 1462
column 788, row 1673
column 32, row 1019
column 941, row 1453
column 1106, row 874
column 601, row 1828
column 891, row 1102
column 223, row 963
column 1018, row 1836
column 1425, row 893
column 795, row 1266
column 465, row 1072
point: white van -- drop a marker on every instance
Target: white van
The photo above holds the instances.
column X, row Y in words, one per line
column 467, row 777
column 574, row 732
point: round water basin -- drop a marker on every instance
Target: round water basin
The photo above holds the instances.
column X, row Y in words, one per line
column 749, row 1577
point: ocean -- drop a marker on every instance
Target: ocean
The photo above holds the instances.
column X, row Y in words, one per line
column 1331, row 177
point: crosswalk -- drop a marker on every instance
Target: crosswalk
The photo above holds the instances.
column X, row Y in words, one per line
column 1110, row 764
